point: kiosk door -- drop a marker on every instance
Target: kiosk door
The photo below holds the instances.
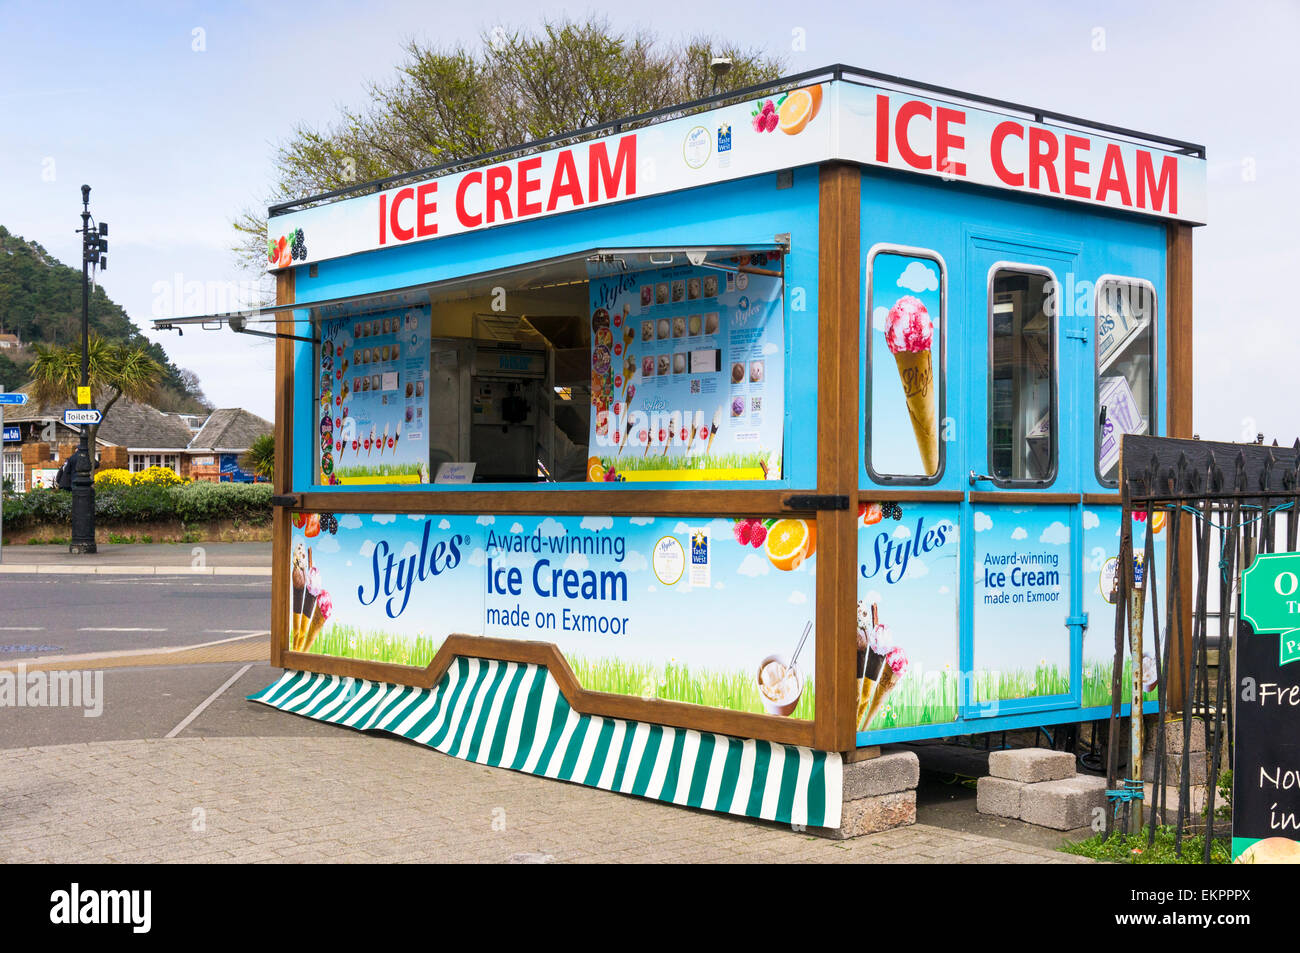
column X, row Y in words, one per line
column 1021, row 637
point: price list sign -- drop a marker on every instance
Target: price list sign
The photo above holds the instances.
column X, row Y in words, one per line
column 1266, row 773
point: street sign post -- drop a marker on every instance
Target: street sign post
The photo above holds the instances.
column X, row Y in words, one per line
column 82, row 417
column 12, row 399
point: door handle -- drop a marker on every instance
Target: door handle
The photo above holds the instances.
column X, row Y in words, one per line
column 978, row 476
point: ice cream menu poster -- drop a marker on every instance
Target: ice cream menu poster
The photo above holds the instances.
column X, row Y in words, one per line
column 373, row 373
column 714, row 612
column 905, row 347
column 688, row 373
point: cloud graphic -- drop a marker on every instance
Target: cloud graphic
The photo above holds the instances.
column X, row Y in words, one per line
column 486, row 520
column 718, row 585
column 872, row 596
column 367, row 548
column 596, row 523
column 416, row 516
column 477, row 558
column 797, row 597
column 517, row 527
column 384, row 518
column 769, row 348
column 444, row 523
column 754, row 565
column 880, row 319
column 409, row 550
column 551, row 527
column 635, row 562
column 327, row 544
column 576, row 561
column 1091, row 520
column 1057, row 534
column 1019, row 533
column 944, row 590
column 681, row 528
column 641, row 520
column 349, row 521
column 918, row 277
column 982, row 521
column 916, row 569
column 902, row 532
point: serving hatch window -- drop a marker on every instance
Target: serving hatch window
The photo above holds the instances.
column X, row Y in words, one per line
column 610, row 366
column 1125, row 386
column 1022, row 378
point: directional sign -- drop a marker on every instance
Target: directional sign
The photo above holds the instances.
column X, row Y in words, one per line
column 1270, row 600
column 12, row 435
column 13, row 398
column 91, row 417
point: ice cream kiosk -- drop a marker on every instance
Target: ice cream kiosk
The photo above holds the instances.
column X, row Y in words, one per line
column 688, row 455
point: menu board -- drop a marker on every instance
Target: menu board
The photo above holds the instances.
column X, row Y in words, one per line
column 1266, row 772
column 688, row 373
column 374, row 370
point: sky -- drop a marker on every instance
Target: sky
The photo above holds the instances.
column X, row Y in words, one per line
column 172, row 113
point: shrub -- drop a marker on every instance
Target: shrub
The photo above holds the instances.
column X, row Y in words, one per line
column 114, row 477
column 201, row 502
column 157, row 476
column 116, row 504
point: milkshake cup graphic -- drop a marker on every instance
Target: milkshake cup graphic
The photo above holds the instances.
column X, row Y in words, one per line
column 909, row 332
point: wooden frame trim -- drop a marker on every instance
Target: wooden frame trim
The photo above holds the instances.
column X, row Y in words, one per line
column 282, row 475
column 1178, row 412
column 877, row 495
column 995, row 496
column 839, row 290
column 1103, row 499
column 583, row 701
column 559, row 502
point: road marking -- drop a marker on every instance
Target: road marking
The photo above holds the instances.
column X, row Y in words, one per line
column 127, row 653
column 22, row 628
column 233, row 631
column 206, row 702
column 112, row 629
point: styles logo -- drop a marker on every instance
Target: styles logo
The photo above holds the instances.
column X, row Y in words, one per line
column 393, row 576
column 890, row 555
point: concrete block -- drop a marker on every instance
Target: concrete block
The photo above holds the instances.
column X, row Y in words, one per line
column 1063, row 805
column 870, row 815
column 1031, row 765
column 1174, row 737
column 893, row 771
column 1197, row 769
column 998, row 796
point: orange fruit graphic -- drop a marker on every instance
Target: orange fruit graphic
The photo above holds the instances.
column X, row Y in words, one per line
column 595, row 472
column 788, row 543
column 1157, row 521
column 798, row 110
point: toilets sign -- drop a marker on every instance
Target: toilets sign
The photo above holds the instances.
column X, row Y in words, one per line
column 1270, row 600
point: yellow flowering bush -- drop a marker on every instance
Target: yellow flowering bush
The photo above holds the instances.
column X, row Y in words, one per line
column 157, row 476
column 113, row 477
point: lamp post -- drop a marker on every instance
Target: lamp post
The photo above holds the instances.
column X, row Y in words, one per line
column 94, row 245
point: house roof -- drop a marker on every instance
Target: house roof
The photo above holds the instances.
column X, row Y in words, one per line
column 231, row 428
column 135, row 425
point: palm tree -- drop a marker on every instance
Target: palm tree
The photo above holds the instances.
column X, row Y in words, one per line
column 261, row 456
column 116, row 371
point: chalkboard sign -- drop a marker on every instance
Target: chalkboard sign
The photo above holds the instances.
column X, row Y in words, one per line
column 1266, row 773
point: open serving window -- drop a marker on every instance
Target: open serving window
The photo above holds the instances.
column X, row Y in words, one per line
column 610, row 365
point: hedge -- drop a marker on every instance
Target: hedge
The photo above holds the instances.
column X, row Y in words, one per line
column 147, row 503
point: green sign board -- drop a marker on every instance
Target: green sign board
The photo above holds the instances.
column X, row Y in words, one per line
column 1270, row 600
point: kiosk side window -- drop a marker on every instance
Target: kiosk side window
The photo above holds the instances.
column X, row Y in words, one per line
column 1125, row 385
column 606, row 366
column 1022, row 378
column 906, row 348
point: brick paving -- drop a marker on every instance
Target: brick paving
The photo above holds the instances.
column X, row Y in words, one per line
column 358, row 797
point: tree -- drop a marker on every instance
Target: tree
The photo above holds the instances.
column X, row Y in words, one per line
column 449, row 105
column 260, row 457
column 116, row 371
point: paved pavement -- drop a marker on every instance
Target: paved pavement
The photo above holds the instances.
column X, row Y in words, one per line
column 197, row 559
column 351, row 797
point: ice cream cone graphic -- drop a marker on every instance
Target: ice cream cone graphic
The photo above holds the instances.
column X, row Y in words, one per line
column 873, row 664
column 891, row 674
column 695, row 429
column 324, row 608
column 713, row 430
column 674, row 422
column 909, row 332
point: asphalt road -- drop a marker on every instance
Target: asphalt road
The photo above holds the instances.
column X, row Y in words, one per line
column 74, row 614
